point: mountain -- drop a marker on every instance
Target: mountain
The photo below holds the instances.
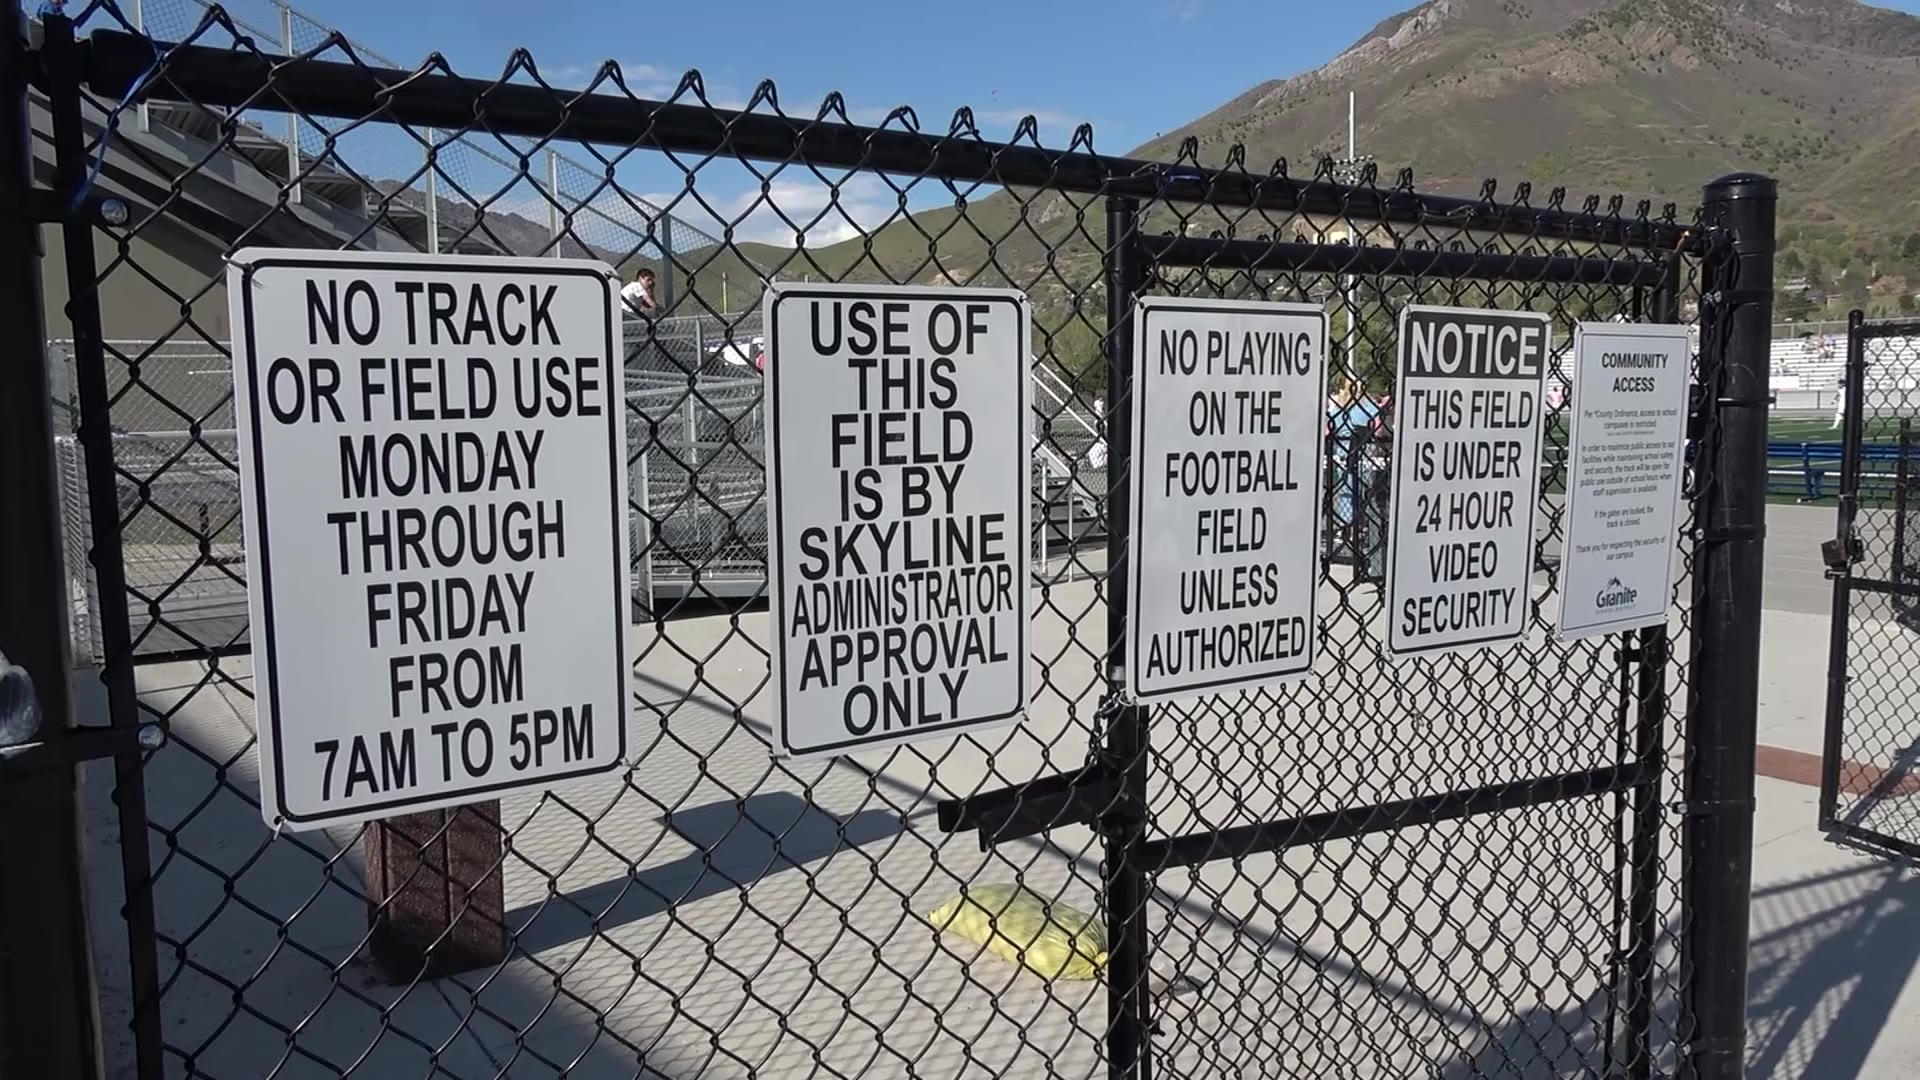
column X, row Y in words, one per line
column 1646, row 98
column 725, row 277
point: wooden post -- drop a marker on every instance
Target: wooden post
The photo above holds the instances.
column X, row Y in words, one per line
column 434, row 892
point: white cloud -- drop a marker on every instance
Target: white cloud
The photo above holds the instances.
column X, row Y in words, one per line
column 1055, row 125
column 793, row 205
column 647, row 80
column 644, row 80
column 995, row 123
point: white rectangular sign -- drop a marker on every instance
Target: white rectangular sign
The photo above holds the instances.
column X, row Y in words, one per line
column 898, row 459
column 1466, row 477
column 1623, row 484
column 433, row 467
column 1228, row 413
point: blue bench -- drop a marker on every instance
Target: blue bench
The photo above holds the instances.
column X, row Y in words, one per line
column 1811, row 470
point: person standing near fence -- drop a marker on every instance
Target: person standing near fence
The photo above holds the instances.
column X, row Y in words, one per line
column 1350, row 418
column 1839, row 404
column 637, row 296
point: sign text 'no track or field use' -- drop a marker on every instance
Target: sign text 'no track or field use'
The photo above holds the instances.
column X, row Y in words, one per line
column 1468, row 419
column 898, row 461
column 1228, row 410
column 433, row 466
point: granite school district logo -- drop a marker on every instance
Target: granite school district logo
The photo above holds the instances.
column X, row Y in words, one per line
column 1614, row 595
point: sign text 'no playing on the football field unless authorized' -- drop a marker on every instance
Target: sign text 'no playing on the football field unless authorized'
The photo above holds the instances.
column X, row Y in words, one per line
column 1228, row 415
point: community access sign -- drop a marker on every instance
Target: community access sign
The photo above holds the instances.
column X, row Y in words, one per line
column 1623, row 484
column 433, row 468
column 1466, row 476
column 1228, row 411
column 898, row 443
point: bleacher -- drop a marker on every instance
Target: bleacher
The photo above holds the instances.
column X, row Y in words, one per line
column 1807, row 368
column 1813, row 362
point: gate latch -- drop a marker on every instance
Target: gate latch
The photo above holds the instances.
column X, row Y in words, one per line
column 20, row 717
column 1840, row 556
column 1071, row 798
column 51, row 208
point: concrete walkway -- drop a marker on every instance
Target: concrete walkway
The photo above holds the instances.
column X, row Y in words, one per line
column 1833, row 991
column 626, row 896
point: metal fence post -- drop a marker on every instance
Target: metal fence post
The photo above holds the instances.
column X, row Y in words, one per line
column 1902, row 482
column 433, row 192
column 1045, row 520
column 693, row 448
column 102, row 540
column 553, row 202
column 137, row 17
column 1128, row 1052
column 1730, row 514
column 1848, row 504
column 664, row 297
column 293, row 115
column 1645, row 869
column 48, row 1011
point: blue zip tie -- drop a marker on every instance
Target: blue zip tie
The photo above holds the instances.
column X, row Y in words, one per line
column 111, row 129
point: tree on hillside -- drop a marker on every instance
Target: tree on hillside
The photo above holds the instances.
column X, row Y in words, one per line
column 1076, row 346
column 1372, row 344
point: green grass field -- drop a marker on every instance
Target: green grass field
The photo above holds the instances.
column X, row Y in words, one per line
column 1802, row 428
column 1791, row 430
column 1798, row 427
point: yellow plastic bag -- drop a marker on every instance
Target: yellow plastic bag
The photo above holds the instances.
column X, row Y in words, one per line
column 1051, row 939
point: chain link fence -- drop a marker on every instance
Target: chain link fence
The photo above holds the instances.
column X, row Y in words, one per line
column 1458, row 867
column 1873, row 737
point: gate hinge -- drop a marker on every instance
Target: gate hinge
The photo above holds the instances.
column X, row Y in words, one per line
column 86, row 743
column 1710, row 807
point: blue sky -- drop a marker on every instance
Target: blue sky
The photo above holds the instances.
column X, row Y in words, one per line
column 1132, row 68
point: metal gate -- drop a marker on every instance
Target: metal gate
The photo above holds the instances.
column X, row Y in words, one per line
column 1524, row 863
column 1870, row 774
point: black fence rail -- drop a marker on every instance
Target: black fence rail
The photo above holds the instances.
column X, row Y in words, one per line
column 1528, row 862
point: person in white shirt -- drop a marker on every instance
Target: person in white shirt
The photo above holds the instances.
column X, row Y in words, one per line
column 637, row 297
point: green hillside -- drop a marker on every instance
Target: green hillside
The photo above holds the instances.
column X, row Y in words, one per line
column 1646, row 98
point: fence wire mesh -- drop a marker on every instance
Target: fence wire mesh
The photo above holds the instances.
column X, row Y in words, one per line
column 1874, row 743
column 715, row 911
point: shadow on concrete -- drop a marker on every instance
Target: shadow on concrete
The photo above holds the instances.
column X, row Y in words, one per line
column 1830, row 954
column 262, row 954
column 1200, row 914
column 262, row 949
column 737, row 844
column 1834, row 956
